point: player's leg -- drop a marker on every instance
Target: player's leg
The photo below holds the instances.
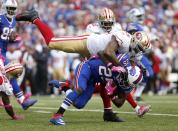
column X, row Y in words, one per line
column 83, row 99
column 139, row 91
column 119, row 99
column 32, row 16
column 82, row 75
column 75, row 44
column 140, row 110
column 108, row 115
column 8, row 107
column 25, row 103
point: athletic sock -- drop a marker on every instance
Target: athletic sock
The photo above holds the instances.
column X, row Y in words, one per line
column 45, row 30
column 139, row 91
column 17, row 91
column 130, row 99
column 106, row 100
column 69, row 100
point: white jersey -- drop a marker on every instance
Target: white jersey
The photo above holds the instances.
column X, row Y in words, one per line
column 95, row 28
column 98, row 42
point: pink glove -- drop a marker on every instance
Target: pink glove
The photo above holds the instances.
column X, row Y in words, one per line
column 118, row 69
column 110, row 88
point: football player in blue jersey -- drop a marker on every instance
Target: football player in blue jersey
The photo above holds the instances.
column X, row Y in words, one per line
column 136, row 18
column 7, row 34
column 93, row 71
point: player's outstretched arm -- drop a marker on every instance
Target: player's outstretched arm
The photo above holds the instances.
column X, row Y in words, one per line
column 109, row 55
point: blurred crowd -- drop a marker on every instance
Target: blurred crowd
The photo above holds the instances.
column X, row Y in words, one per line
column 70, row 17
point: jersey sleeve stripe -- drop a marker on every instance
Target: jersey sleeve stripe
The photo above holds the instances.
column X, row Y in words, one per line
column 68, row 38
column 78, row 74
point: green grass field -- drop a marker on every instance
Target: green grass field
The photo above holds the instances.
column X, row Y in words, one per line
column 162, row 117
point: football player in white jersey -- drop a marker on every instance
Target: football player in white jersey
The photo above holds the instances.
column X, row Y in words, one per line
column 92, row 44
column 106, row 23
column 105, row 45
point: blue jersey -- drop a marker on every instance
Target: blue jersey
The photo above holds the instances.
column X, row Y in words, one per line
column 101, row 74
column 146, row 64
column 6, row 27
column 90, row 72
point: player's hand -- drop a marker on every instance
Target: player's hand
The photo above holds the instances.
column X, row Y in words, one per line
column 118, row 69
column 110, row 88
column 54, row 83
column 12, row 36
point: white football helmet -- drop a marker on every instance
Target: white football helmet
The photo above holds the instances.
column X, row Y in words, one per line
column 10, row 7
column 106, row 19
column 135, row 75
column 140, row 42
column 136, row 15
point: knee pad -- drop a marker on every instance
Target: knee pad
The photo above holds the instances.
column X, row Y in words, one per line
column 13, row 69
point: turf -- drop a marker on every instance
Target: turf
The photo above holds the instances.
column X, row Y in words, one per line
column 162, row 117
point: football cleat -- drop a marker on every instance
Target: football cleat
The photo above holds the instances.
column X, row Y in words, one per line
column 111, row 117
column 29, row 15
column 17, row 117
column 142, row 110
column 62, row 85
column 27, row 96
column 27, row 103
column 57, row 119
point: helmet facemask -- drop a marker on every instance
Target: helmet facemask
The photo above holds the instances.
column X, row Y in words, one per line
column 107, row 25
column 10, row 7
column 11, row 11
column 140, row 18
column 140, row 42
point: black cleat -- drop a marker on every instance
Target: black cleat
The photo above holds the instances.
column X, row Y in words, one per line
column 29, row 15
column 112, row 117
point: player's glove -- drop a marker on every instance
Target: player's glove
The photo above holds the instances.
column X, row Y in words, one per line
column 110, row 88
column 54, row 83
column 12, row 36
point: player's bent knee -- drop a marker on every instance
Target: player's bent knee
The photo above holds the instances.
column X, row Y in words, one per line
column 119, row 100
column 80, row 104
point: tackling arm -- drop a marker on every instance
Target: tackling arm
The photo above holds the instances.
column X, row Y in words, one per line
column 108, row 55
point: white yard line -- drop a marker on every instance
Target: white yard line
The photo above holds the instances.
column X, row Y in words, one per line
column 149, row 101
column 97, row 110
